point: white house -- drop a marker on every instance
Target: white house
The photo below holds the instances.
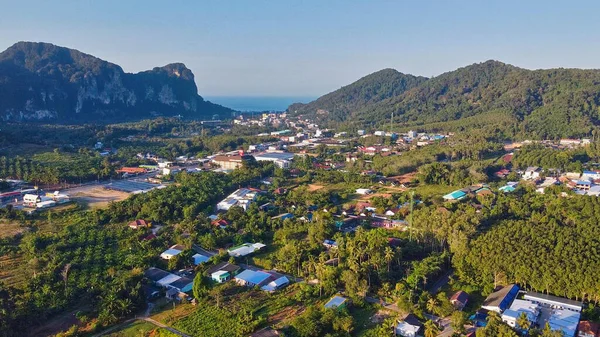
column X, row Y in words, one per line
column 172, row 252
column 409, row 326
column 532, row 173
column 363, row 191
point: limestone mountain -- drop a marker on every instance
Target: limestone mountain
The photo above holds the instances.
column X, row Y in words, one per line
column 41, row 81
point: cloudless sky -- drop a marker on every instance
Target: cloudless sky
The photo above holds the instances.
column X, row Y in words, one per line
column 308, row 48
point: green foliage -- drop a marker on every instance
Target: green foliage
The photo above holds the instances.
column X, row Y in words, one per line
column 493, row 96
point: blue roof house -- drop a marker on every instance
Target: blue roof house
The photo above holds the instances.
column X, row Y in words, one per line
column 456, row 195
column 251, row 278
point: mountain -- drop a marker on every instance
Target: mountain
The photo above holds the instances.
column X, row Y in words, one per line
column 41, row 81
column 366, row 91
column 502, row 98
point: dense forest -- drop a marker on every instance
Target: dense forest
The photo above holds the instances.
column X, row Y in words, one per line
column 514, row 102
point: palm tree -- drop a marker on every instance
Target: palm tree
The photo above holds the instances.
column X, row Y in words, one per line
column 431, row 329
column 432, row 305
column 523, row 323
column 388, row 256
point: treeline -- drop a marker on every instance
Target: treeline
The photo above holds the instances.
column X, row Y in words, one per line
column 547, row 158
column 56, row 167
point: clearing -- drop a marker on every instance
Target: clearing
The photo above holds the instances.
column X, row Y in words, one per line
column 10, row 229
column 96, row 196
column 314, row 187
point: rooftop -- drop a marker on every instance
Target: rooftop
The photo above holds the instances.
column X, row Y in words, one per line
column 496, row 298
column 254, row 277
column 335, row 302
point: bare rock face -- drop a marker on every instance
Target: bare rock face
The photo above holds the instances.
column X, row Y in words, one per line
column 41, row 81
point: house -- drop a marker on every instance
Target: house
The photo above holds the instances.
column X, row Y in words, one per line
column 183, row 284
column 593, row 175
column 283, row 216
column 459, row 300
column 220, row 223
column 337, row 302
column 155, row 274
column 409, row 326
column 502, row 173
column 456, row 195
column 511, row 315
column 223, row 271
column 245, row 249
column 251, row 278
column 276, row 284
column 329, row 244
column 583, row 185
column 140, row 223
column 199, row 258
column 501, row 299
column 588, row 329
column 532, row 173
column 172, row 252
column 363, row 191
column 484, row 191
column 594, row 190
column 220, row 276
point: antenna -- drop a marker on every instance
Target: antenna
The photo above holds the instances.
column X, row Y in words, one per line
column 391, row 122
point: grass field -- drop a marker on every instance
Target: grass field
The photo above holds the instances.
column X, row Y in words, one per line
column 13, row 270
column 141, row 329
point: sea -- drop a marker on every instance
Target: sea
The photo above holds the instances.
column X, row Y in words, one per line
column 258, row 103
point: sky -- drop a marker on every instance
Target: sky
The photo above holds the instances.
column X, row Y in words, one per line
column 309, row 48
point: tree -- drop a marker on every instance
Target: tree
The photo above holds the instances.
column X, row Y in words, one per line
column 431, row 329
column 201, row 286
column 457, row 321
column 523, row 323
column 432, row 305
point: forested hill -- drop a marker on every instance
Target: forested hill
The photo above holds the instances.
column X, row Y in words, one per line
column 367, row 91
column 549, row 103
column 41, row 81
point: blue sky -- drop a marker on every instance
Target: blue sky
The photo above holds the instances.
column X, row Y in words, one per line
column 308, row 48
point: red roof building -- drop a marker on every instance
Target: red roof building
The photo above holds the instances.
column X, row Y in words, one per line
column 588, row 329
column 139, row 223
column 459, row 299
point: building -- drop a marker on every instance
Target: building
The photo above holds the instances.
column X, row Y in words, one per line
column 251, row 278
column 245, row 249
column 588, row 329
column 242, row 197
column 459, row 300
column 281, row 159
column 456, row 195
column 337, row 302
column 511, row 315
column 199, row 258
column 554, row 301
column 501, row 299
column 231, row 162
column 172, row 252
column 532, row 173
column 409, row 327
column 363, row 191
column 139, row 223
column 223, row 271
column 412, row 134
column 30, row 200
column 276, row 284
column 283, row 216
column 173, row 283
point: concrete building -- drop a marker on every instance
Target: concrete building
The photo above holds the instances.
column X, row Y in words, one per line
column 242, row 197
column 231, row 162
column 517, row 308
column 281, row 159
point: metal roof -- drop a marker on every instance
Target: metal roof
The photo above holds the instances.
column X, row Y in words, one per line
column 335, row 302
column 254, row 277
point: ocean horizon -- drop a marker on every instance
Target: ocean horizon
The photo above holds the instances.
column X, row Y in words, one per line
column 258, row 103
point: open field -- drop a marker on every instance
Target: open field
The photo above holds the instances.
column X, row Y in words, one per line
column 96, row 196
column 314, row 187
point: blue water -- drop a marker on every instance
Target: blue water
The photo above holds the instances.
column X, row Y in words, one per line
column 258, row 103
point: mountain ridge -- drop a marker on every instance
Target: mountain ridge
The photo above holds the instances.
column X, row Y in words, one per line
column 42, row 81
column 542, row 103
